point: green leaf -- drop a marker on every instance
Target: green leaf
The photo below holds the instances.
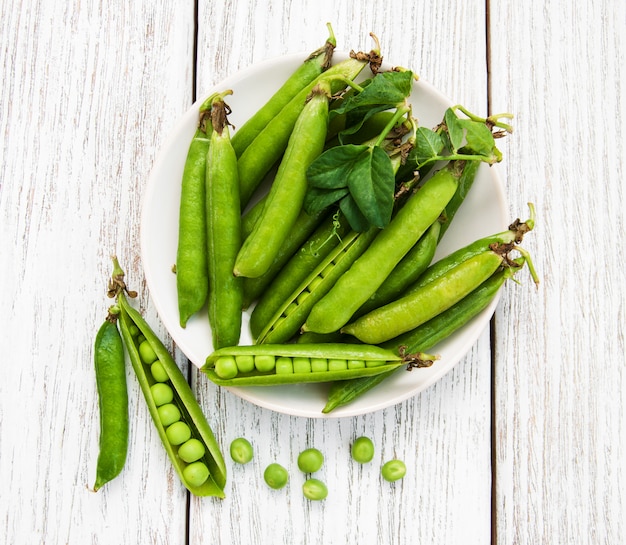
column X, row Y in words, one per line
column 317, row 199
column 390, row 88
column 371, row 183
column 428, row 145
column 331, row 169
column 358, row 222
column 479, row 139
column 455, row 129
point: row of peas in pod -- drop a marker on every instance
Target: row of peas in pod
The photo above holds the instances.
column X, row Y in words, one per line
column 339, row 249
column 310, row 461
column 179, row 420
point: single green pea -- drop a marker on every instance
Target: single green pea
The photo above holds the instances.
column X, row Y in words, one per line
column 302, row 296
column 375, row 363
column 314, row 489
column 196, row 473
column 226, row 367
column 191, row 450
column 275, row 476
column 314, row 284
column 264, row 363
column 168, row 414
column 337, row 365
column 178, row 433
column 362, row 450
column 147, row 353
column 158, row 372
column 291, row 308
column 393, row 470
column 161, row 393
column 284, row 366
column 134, row 330
column 241, row 450
column 301, row 365
column 319, row 365
column 245, row 364
column 356, row 364
column 310, row 460
column 141, row 338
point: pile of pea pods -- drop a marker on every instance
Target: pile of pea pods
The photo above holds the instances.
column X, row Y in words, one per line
column 334, row 260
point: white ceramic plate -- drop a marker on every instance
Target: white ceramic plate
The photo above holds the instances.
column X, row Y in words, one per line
column 483, row 213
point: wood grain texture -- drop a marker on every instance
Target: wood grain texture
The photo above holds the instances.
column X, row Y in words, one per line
column 559, row 378
column 90, row 91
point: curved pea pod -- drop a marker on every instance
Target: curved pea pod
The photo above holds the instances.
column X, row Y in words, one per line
column 293, row 312
column 112, row 401
column 182, row 401
column 286, row 195
column 312, row 67
column 272, row 364
column 269, row 145
column 435, row 330
column 368, row 273
column 514, row 235
column 414, row 309
column 192, row 281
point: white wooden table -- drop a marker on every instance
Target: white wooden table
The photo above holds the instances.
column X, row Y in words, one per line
column 523, row 442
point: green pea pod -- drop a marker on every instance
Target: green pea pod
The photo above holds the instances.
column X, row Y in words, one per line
column 423, row 338
column 291, row 315
column 131, row 323
column 269, row 145
column 465, row 183
column 407, row 271
column 286, row 195
column 250, row 217
column 192, row 281
column 302, row 264
column 393, row 242
column 223, row 233
column 272, row 364
column 514, row 235
column 414, row 309
column 302, row 229
column 435, row 330
column 314, row 65
column 113, row 401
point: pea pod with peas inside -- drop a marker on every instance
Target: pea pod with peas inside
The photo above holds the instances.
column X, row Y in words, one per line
column 182, row 426
column 272, row 364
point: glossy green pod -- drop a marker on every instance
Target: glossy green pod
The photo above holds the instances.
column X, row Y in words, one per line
column 183, row 399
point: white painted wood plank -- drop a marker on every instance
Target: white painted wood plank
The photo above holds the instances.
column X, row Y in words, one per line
column 444, row 433
column 89, row 92
column 560, row 382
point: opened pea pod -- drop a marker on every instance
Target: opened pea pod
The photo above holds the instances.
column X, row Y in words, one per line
column 179, row 420
column 273, row 364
